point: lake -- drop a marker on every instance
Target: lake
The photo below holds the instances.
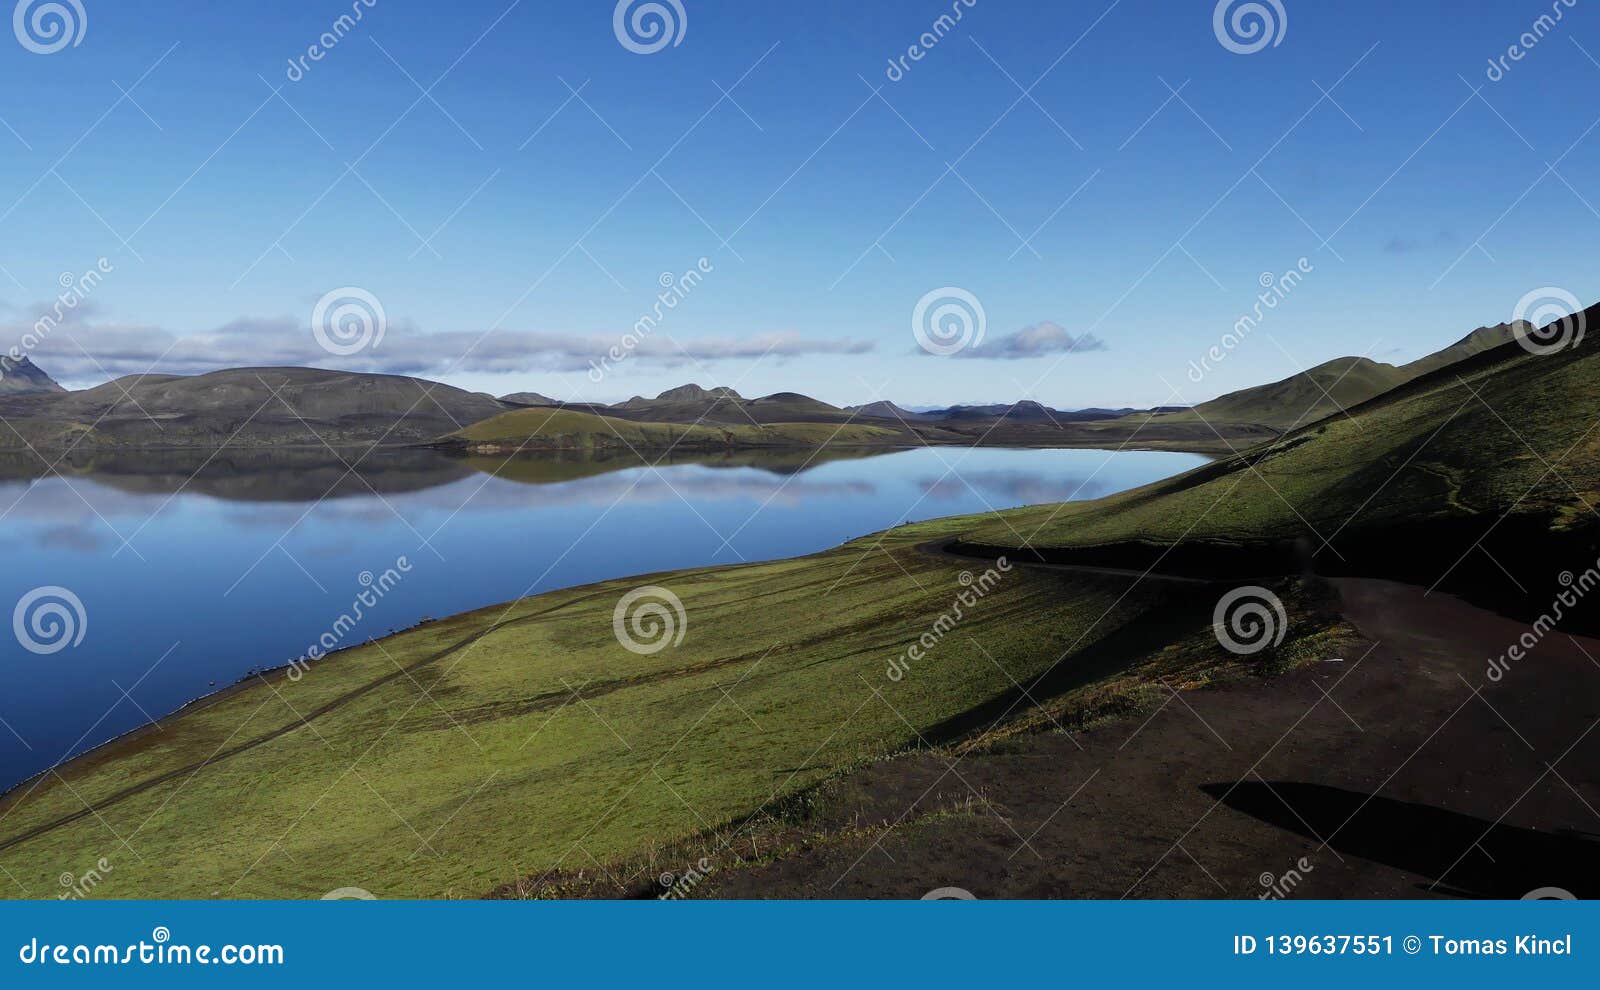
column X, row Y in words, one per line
column 139, row 582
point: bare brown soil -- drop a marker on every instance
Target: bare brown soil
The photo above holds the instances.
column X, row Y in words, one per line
column 1401, row 770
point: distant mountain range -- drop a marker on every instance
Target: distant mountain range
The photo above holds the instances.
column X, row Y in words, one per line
column 253, row 407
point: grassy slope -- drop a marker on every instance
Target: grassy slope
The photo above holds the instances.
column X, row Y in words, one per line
column 546, row 429
column 505, row 770
column 1476, row 438
column 1305, row 398
column 1329, row 388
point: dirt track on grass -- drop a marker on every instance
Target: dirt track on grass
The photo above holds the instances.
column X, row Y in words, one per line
column 1403, row 771
column 11, row 799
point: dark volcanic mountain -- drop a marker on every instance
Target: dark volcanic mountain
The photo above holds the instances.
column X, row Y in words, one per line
column 693, row 404
column 884, row 409
column 24, row 377
column 246, row 407
column 694, row 393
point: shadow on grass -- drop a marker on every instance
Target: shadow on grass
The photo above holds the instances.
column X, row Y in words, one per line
column 1181, row 615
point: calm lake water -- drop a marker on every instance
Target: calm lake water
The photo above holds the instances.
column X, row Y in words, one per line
column 191, row 573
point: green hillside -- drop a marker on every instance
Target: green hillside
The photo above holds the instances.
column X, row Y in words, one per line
column 240, row 407
column 565, row 429
column 1305, row 398
column 1331, row 388
column 1504, row 439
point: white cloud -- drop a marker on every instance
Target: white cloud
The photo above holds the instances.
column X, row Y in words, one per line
column 83, row 348
column 1040, row 340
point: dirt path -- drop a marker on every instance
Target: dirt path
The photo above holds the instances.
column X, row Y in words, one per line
column 1403, row 772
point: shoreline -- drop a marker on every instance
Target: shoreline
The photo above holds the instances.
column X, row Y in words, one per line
column 1212, row 446
column 210, row 698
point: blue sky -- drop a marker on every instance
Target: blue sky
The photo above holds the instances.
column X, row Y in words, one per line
column 1099, row 204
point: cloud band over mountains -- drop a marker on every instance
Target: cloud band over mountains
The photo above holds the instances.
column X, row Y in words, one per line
column 82, row 348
